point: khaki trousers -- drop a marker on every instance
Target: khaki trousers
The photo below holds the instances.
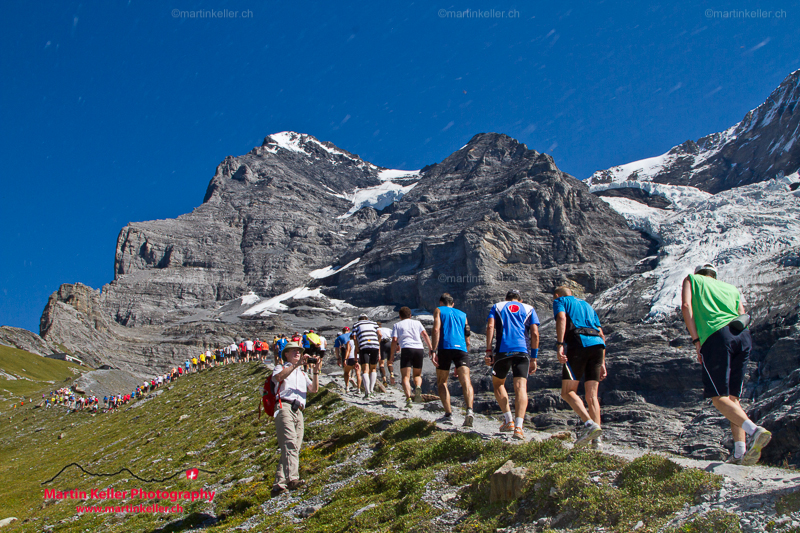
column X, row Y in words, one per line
column 290, row 428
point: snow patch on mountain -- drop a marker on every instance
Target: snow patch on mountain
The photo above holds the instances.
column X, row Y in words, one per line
column 378, row 197
column 331, row 270
column 275, row 304
column 250, row 298
column 393, row 174
column 742, row 231
column 680, row 196
column 297, row 142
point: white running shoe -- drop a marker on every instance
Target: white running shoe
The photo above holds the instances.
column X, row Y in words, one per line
column 587, row 434
column 468, row 421
column 759, row 439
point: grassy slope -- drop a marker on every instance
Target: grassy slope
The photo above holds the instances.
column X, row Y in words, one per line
column 351, row 459
column 41, row 373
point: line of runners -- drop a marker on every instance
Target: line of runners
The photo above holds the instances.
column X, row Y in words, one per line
column 713, row 313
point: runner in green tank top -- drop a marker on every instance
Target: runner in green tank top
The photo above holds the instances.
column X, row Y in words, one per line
column 709, row 306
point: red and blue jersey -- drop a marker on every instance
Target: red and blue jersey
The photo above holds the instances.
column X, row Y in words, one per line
column 511, row 320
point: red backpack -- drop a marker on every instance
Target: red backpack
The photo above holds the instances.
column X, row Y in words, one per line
column 269, row 397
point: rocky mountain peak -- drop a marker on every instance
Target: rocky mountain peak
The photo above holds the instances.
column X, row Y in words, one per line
column 759, row 148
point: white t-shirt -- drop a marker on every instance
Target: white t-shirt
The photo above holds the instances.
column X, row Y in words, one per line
column 323, row 344
column 248, row 345
column 408, row 333
column 386, row 334
column 294, row 387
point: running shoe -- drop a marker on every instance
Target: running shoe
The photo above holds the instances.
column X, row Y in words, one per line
column 366, row 395
column 468, row 421
column 277, row 490
column 447, row 419
column 759, row 439
column 409, row 404
column 507, row 427
column 733, row 460
column 597, row 443
column 518, row 433
column 587, row 434
column 418, row 395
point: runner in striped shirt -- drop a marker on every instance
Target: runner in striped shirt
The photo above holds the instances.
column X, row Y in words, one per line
column 367, row 337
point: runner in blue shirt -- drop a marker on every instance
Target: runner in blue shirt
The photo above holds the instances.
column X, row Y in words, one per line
column 507, row 323
column 581, row 347
column 451, row 345
column 340, row 344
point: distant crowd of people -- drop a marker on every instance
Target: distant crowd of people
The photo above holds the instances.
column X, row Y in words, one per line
column 70, row 398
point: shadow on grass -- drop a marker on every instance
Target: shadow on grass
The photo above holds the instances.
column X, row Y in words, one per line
column 193, row 521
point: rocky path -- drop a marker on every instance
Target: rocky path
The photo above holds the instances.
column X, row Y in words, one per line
column 749, row 492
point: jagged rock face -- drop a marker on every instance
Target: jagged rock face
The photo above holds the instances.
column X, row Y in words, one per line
column 74, row 321
column 268, row 218
column 491, row 217
column 26, row 340
column 760, row 147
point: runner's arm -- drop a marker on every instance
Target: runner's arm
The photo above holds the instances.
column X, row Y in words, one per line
column 489, row 337
column 437, row 326
column 466, row 337
column 561, row 331
column 688, row 316
column 427, row 340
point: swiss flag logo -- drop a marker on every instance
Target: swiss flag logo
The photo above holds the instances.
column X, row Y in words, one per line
column 191, row 474
column 513, row 308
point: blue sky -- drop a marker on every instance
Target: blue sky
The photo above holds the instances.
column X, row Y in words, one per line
column 112, row 111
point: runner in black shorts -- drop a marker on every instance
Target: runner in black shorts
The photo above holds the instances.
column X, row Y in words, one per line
column 517, row 362
column 411, row 357
column 457, row 357
column 725, row 356
column 580, row 346
column 714, row 314
column 369, row 356
column 583, row 361
column 408, row 336
column 350, row 365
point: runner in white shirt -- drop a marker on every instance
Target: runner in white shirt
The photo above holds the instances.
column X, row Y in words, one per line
column 385, row 362
column 407, row 337
column 250, row 347
column 351, row 365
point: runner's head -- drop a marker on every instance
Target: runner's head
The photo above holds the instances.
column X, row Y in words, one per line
column 706, row 269
column 446, row 299
column 405, row 312
column 345, row 329
column 562, row 291
column 513, row 294
column 362, row 316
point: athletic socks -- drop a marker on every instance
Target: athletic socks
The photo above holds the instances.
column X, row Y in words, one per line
column 519, row 421
column 739, row 448
column 749, row 427
column 373, row 381
column 508, row 416
column 588, row 423
column 365, row 381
